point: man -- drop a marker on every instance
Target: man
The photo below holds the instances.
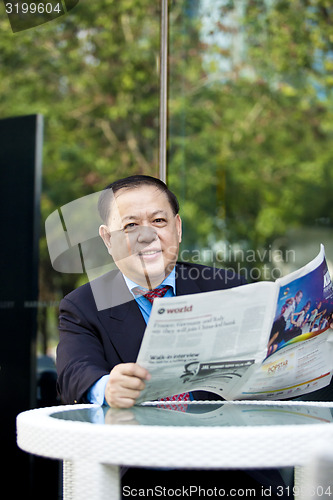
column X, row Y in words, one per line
column 96, row 356
column 98, row 348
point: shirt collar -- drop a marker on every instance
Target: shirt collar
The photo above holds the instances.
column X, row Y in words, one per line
column 169, row 280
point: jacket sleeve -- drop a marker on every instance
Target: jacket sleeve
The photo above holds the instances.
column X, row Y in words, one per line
column 80, row 354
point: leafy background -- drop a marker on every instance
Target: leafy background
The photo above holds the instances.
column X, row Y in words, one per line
column 250, row 120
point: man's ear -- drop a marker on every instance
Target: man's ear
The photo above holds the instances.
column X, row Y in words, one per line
column 179, row 227
column 106, row 236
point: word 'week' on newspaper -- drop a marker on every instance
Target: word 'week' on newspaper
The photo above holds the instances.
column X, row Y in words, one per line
column 266, row 340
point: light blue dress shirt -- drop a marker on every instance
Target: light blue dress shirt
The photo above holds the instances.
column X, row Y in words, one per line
column 97, row 391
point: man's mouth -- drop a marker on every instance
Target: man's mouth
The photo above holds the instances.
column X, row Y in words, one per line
column 149, row 253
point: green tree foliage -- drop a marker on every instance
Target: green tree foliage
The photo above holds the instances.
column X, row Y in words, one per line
column 250, row 141
column 93, row 74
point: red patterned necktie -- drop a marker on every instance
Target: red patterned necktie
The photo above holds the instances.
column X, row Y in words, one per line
column 183, row 398
column 152, row 294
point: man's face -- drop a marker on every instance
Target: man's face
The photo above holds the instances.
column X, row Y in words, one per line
column 143, row 234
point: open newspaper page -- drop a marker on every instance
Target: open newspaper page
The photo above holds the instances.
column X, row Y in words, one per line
column 210, row 341
column 300, row 348
column 259, row 341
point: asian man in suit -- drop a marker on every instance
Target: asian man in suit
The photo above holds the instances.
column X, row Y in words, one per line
column 102, row 323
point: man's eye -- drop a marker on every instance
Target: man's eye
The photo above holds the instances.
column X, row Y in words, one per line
column 130, row 227
column 159, row 221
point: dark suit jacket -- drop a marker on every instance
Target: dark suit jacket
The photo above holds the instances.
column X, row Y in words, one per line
column 93, row 341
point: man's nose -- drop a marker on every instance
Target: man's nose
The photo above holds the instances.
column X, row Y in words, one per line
column 146, row 234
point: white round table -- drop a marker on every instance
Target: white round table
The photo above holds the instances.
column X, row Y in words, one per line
column 94, row 441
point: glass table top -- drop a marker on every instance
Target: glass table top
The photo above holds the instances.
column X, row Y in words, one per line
column 222, row 414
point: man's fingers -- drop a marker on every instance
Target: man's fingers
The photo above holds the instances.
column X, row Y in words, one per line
column 125, row 384
column 124, row 398
column 132, row 383
column 129, row 375
column 134, row 370
column 122, row 403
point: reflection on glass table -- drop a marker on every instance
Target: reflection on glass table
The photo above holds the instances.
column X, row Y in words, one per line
column 221, row 414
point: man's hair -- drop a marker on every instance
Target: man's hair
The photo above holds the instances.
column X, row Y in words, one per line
column 132, row 182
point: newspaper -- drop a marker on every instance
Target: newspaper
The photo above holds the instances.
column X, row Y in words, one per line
column 266, row 340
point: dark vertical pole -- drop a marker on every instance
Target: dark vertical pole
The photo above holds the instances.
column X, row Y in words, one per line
column 163, row 90
column 20, row 185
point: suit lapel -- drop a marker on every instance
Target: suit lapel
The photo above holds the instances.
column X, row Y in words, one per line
column 185, row 283
column 127, row 329
column 123, row 320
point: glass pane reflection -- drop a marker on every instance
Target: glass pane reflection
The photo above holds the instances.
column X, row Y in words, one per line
column 250, row 134
column 213, row 415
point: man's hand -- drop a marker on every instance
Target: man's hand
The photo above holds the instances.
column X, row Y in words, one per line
column 125, row 383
